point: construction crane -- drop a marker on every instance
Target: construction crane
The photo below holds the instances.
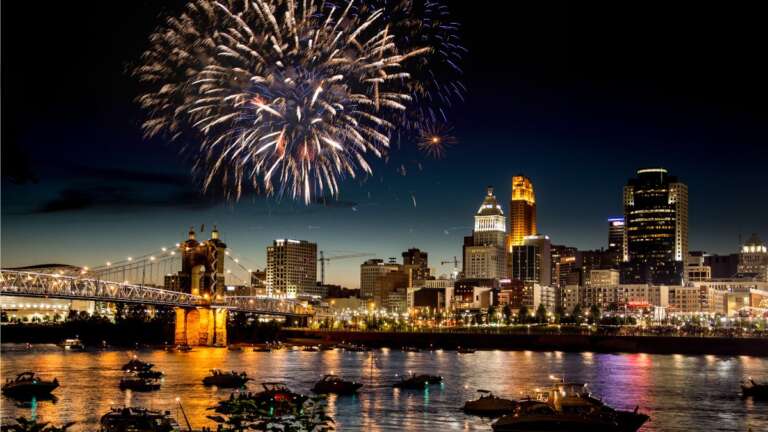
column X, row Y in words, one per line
column 323, row 260
column 455, row 263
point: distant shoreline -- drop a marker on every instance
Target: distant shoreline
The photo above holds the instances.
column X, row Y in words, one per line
column 542, row 342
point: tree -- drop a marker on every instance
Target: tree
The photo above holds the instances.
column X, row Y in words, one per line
column 522, row 315
column 594, row 314
column 559, row 313
column 541, row 313
column 506, row 311
column 491, row 314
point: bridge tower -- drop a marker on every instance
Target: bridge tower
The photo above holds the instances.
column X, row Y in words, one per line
column 202, row 274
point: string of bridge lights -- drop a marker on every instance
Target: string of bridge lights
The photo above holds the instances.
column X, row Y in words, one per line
column 161, row 254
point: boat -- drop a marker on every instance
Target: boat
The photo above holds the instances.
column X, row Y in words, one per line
column 356, row 348
column 324, row 347
column 411, row 349
column 310, row 348
column 534, row 415
column 275, row 394
column 234, row 347
column 134, row 382
column 72, row 345
column 27, row 385
column 183, row 348
column 136, row 365
column 226, row 379
column 262, row 348
column 414, row 381
column 571, row 402
column 132, row 419
column 489, row 405
column 754, row 388
column 334, row 384
column 464, row 350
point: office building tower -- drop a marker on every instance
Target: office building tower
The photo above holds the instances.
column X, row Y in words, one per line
column 656, row 223
column 291, row 268
column 616, row 243
column 532, row 261
column 753, row 259
column 416, row 264
column 522, row 211
column 369, row 271
column 486, row 257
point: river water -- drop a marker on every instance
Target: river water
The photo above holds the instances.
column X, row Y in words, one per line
column 680, row 393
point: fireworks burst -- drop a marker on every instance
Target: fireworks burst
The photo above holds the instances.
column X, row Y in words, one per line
column 283, row 97
column 437, row 83
column 434, row 139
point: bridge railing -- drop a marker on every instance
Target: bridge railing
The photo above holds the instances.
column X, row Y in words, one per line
column 29, row 284
column 259, row 304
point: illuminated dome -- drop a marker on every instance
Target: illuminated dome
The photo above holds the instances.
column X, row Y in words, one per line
column 490, row 206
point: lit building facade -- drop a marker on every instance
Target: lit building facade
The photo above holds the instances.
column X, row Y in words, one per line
column 753, row 259
column 486, row 258
column 291, row 268
column 656, row 223
column 416, row 263
column 522, row 211
column 369, row 271
column 617, row 248
column 532, row 261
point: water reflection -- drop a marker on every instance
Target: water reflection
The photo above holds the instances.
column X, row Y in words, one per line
column 680, row 393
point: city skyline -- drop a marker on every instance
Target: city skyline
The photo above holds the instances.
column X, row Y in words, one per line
column 575, row 112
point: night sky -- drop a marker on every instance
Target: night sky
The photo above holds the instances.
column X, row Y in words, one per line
column 576, row 97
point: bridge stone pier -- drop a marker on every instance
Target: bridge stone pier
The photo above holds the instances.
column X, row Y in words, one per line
column 201, row 326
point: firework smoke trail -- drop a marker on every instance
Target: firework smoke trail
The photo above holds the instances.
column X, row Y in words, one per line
column 283, row 96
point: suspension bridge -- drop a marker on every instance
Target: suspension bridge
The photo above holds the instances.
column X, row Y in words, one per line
column 191, row 276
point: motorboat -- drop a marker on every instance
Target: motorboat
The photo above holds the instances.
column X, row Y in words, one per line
column 357, row 348
column 334, row 384
column 411, row 349
column 534, row 415
column 133, row 381
column 136, row 365
column 275, row 394
column 575, row 399
column 183, row 348
column 234, row 347
column 489, row 405
column 324, row 347
column 754, row 388
column 465, row 350
column 310, row 348
column 262, row 348
column 27, row 385
column 132, row 419
column 226, row 379
column 417, row 382
column 72, row 345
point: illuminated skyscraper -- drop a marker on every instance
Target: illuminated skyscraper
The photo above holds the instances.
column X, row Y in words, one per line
column 486, row 258
column 522, row 211
column 616, row 244
column 656, row 223
column 291, row 268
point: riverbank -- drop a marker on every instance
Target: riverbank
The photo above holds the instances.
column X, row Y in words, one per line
column 542, row 342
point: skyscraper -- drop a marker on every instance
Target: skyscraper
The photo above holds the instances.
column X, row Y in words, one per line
column 291, row 268
column 369, row 271
column 753, row 259
column 522, row 211
column 532, row 261
column 616, row 243
column 416, row 263
column 656, row 224
column 486, row 257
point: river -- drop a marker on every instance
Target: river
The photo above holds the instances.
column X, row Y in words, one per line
column 679, row 392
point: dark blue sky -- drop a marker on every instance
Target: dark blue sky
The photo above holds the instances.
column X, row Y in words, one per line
column 576, row 98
